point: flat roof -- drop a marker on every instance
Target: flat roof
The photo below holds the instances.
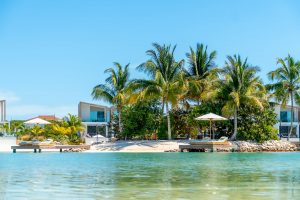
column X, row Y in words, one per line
column 95, row 105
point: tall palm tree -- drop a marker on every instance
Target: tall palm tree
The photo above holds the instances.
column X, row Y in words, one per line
column 166, row 78
column 114, row 91
column 240, row 86
column 200, row 72
column 287, row 85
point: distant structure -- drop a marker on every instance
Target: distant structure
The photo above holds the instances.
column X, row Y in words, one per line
column 94, row 117
column 2, row 110
column 49, row 118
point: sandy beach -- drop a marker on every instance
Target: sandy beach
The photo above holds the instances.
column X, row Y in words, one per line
column 138, row 146
column 118, row 146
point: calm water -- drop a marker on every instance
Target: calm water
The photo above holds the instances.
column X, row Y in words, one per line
column 150, row 176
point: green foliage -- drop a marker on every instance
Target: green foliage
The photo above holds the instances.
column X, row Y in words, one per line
column 115, row 89
column 179, row 120
column 16, row 126
column 140, row 120
column 65, row 131
column 166, row 78
column 36, row 131
column 200, row 73
column 4, row 128
column 201, row 126
column 287, row 85
column 162, row 133
column 257, row 124
column 234, row 91
column 241, row 86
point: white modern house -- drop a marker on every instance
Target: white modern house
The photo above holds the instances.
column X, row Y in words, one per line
column 96, row 119
column 284, row 120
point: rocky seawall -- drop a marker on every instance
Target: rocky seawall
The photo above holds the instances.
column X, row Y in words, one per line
column 268, row 146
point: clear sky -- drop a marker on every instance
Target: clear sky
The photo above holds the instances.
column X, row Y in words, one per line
column 53, row 52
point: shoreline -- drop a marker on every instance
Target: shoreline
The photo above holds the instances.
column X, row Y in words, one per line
column 160, row 146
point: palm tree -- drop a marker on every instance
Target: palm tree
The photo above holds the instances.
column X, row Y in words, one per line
column 114, row 91
column 201, row 71
column 16, row 125
column 37, row 131
column 166, row 78
column 74, row 123
column 240, row 86
column 287, row 85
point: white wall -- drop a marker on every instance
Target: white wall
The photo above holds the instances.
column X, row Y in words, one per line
column 85, row 111
column 7, row 142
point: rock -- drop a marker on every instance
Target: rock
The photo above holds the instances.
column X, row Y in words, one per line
column 272, row 145
column 172, row 150
column 74, row 150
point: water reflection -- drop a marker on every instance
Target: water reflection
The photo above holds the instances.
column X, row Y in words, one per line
column 150, row 176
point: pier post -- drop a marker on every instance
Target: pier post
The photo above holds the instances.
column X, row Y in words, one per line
column 60, row 150
column 34, row 150
column 14, row 150
column 40, row 150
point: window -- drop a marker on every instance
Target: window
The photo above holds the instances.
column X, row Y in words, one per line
column 285, row 130
column 96, row 130
column 285, row 116
column 97, row 116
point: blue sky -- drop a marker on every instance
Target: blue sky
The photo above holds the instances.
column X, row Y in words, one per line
column 53, row 52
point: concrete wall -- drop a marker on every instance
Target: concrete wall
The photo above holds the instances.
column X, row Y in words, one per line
column 6, row 143
column 84, row 112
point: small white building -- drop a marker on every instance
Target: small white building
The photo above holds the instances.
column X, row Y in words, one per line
column 2, row 110
column 95, row 118
column 284, row 120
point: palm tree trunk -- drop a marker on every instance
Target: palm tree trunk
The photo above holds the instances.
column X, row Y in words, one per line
column 163, row 105
column 120, row 121
column 292, row 116
column 168, row 121
column 233, row 137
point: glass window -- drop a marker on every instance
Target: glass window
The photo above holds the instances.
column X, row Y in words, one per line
column 285, row 116
column 285, row 130
column 97, row 116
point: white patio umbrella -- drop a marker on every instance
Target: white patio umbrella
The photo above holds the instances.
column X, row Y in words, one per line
column 36, row 121
column 211, row 117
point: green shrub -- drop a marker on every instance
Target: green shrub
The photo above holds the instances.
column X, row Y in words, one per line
column 257, row 124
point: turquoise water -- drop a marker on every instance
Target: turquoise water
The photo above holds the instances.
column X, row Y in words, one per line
column 150, row 176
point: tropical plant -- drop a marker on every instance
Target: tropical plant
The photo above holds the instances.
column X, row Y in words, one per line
column 4, row 127
column 200, row 127
column 141, row 119
column 201, row 72
column 166, row 78
column 287, row 84
column 257, row 124
column 37, row 131
column 180, row 127
column 114, row 91
column 17, row 126
column 240, row 86
column 74, row 123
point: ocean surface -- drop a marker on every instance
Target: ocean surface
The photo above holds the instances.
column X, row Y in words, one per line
column 149, row 176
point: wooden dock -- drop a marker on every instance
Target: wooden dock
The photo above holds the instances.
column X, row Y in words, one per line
column 205, row 147
column 39, row 148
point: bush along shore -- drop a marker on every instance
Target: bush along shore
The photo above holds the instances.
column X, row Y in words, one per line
column 267, row 146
